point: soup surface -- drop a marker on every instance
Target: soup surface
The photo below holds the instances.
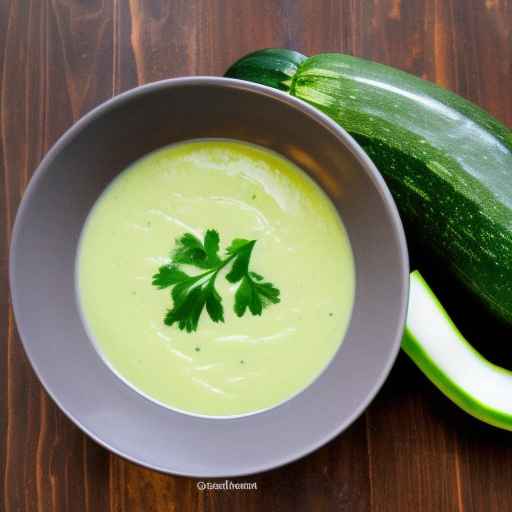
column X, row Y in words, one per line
column 244, row 364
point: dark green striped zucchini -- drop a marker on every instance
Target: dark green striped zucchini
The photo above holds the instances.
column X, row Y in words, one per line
column 448, row 165
column 447, row 162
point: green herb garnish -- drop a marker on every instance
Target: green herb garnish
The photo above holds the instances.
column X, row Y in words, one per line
column 191, row 294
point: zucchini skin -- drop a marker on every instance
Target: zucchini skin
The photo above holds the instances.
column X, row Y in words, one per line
column 272, row 67
column 447, row 162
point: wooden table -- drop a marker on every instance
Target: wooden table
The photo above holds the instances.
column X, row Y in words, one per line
column 412, row 450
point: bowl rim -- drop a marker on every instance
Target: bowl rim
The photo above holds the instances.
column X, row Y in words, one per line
column 340, row 134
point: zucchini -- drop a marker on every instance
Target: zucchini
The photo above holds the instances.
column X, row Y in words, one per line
column 448, row 165
column 432, row 341
column 272, row 67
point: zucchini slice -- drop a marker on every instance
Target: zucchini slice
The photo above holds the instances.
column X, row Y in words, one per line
column 434, row 343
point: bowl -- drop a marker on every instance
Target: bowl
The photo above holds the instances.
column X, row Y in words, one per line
column 42, row 260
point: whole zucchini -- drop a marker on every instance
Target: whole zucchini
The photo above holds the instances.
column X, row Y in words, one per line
column 447, row 162
column 448, row 165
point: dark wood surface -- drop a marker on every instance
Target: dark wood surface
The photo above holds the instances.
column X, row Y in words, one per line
column 412, row 450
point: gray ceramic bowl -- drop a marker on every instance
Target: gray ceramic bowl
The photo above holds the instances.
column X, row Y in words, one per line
column 44, row 245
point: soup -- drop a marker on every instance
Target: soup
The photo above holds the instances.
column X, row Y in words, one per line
column 282, row 292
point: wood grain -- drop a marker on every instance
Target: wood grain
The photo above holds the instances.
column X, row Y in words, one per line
column 412, row 450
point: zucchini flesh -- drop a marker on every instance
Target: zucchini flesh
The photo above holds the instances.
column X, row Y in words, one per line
column 447, row 163
column 481, row 388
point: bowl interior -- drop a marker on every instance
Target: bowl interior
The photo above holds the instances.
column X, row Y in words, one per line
column 47, row 230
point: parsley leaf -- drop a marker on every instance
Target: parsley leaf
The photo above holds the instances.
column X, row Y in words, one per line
column 191, row 251
column 190, row 297
column 192, row 294
column 211, row 246
column 241, row 251
column 255, row 296
column 167, row 276
column 253, row 292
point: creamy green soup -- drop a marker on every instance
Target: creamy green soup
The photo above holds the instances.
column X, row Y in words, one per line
column 244, row 364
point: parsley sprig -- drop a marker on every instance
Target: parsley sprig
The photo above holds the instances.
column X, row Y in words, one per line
column 191, row 294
